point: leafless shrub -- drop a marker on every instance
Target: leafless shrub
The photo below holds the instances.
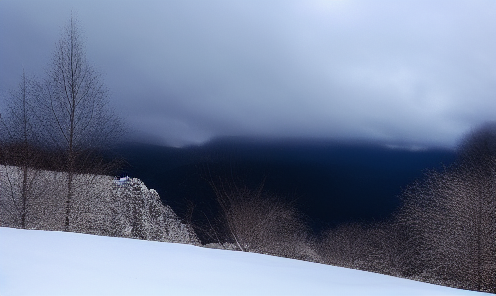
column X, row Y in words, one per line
column 372, row 247
column 262, row 223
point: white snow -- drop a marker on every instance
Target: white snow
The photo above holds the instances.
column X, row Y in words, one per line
column 35, row 262
column 122, row 180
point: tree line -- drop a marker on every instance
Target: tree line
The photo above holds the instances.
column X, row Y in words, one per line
column 61, row 122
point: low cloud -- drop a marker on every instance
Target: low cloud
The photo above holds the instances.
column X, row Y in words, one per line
column 412, row 72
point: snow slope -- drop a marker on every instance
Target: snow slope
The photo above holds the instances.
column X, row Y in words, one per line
column 35, row 262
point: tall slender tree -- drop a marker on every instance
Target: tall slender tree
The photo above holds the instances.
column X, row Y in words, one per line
column 20, row 148
column 76, row 104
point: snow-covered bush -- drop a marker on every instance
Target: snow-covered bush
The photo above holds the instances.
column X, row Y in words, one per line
column 99, row 206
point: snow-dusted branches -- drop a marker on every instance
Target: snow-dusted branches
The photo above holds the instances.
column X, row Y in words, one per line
column 452, row 217
column 100, row 206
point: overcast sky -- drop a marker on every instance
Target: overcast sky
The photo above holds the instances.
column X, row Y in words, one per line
column 413, row 73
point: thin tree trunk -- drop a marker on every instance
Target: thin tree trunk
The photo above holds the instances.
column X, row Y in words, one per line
column 25, row 154
column 68, row 201
column 71, row 135
column 24, row 196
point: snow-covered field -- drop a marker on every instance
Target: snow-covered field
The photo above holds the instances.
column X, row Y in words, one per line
column 35, row 262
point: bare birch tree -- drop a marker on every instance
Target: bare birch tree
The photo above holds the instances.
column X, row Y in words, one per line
column 76, row 105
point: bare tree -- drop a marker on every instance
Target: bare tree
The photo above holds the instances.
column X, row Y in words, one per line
column 452, row 217
column 76, row 103
column 20, row 148
column 478, row 174
column 259, row 222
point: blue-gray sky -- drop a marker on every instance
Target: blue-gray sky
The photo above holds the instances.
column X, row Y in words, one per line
column 409, row 73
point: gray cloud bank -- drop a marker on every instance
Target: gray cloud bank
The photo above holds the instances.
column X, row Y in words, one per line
column 414, row 73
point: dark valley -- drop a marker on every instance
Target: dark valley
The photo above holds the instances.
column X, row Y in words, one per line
column 330, row 182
